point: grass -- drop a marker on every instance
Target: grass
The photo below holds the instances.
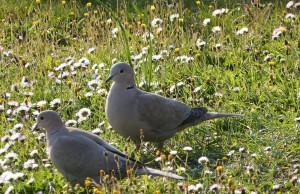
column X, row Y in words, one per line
column 251, row 73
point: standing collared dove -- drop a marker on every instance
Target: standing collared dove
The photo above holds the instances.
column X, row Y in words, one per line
column 78, row 154
column 131, row 111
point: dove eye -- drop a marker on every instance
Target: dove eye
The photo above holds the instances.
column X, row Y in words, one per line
column 121, row 71
column 42, row 118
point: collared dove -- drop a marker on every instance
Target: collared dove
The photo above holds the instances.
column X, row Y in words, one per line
column 78, row 154
column 131, row 111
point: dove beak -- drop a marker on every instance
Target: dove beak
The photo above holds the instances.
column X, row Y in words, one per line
column 34, row 127
column 109, row 78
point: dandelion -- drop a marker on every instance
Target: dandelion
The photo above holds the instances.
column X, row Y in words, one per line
column 83, row 114
column 241, row 190
column 16, row 136
column 152, row 8
column 276, row 187
column 41, row 136
column 296, row 5
column 215, row 187
column 148, row 35
column 18, row 126
column 33, row 152
column 242, row 31
column 8, row 54
column 208, row 172
column 109, row 21
column 97, row 131
column 184, row 59
column 31, row 180
column 268, row 148
column 158, row 31
column 290, row 16
column 218, row 46
column 84, row 61
column 71, row 123
column 191, row 188
column 86, row 15
column 198, row 186
column 173, row 152
column 156, row 22
column 63, row 75
column 6, row 147
column 219, row 169
column 25, row 83
column 94, row 84
column 55, row 103
column 114, row 32
column 181, row 169
column 156, row 57
column 11, row 156
column 51, row 75
column 30, row 164
column 278, row 32
column 236, row 89
column 143, row 26
column 206, row 21
column 89, row 5
column 4, row 138
column 218, row 12
column 5, row 177
column 173, row 17
column 102, row 92
column 13, row 104
column 289, row 4
column 267, row 58
column 203, row 160
column 41, row 104
column 91, row 50
column 216, row 29
column 230, row 153
column 218, row 94
column 88, row 94
column 187, row 148
column 200, row 43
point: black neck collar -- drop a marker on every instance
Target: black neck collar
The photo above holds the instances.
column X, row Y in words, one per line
column 130, row 87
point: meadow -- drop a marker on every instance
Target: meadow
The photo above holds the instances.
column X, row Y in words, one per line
column 228, row 56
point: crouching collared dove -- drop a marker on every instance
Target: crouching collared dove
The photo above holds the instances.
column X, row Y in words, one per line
column 131, row 111
column 78, row 154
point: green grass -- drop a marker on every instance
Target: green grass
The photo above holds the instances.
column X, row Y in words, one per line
column 264, row 144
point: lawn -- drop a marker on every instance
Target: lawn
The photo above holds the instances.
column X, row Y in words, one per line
column 228, row 56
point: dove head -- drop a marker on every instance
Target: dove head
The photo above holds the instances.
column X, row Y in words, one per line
column 49, row 120
column 121, row 73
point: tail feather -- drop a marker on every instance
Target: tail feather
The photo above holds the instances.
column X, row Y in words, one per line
column 215, row 115
column 198, row 115
column 155, row 172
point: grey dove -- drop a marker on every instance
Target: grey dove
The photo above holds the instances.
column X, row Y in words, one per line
column 78, row 154
column 131, row 111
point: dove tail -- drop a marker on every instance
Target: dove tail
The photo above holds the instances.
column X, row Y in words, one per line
column 198, row 115
column 155, row 172
column 215, row 115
